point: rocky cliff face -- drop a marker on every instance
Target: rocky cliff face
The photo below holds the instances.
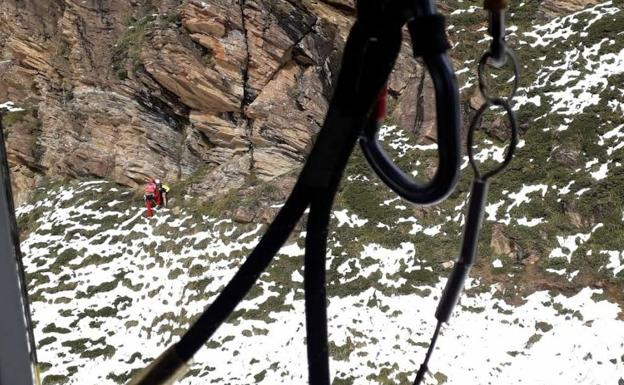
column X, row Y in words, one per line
column 225, row 91
column 222, row 90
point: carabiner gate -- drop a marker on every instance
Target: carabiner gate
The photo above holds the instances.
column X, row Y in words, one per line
column 427, row 30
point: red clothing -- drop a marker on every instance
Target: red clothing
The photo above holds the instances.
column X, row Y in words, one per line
column 150, row 188
column 152, row 198
column 148, row 205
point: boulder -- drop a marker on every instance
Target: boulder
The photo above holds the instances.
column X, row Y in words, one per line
column 500, row 243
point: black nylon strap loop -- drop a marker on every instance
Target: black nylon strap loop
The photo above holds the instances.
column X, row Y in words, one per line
column 428, row 35
column 369, row 56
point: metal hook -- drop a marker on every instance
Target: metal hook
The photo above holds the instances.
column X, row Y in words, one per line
column 428, row 23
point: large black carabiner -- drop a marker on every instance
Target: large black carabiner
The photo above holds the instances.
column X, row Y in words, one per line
column 428, row 36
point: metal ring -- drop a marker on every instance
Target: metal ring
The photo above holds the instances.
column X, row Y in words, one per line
column 512, row 144
column 483, row 86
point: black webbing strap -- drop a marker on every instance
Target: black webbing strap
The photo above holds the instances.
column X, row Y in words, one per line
column 428, row 35
column 314, row 274
column 368, row 59
column 320, row 201
column 495, row 5
column 318, row 180
column 424, row 367
column 234, row 292
column 315, row 295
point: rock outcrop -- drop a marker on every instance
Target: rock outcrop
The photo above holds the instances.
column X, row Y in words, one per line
column 499, row 242
column 554, row 8
column 223, row 90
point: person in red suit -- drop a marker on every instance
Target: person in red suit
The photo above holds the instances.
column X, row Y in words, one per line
column 151, row 197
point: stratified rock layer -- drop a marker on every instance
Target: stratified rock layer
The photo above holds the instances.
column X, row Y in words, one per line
column 225, row 90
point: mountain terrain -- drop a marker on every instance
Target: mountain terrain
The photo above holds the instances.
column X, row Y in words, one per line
column 111, row 289
column 223, row 91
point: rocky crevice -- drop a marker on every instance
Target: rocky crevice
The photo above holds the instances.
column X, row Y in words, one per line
column 163, row 101
column 246, row 99
column 420, row 105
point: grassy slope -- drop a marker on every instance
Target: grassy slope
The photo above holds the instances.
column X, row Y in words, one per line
column 110, row 289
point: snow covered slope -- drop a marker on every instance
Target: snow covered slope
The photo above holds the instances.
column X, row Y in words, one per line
column 111, row 289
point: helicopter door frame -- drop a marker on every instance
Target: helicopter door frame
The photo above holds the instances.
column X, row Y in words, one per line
column 18, row 360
